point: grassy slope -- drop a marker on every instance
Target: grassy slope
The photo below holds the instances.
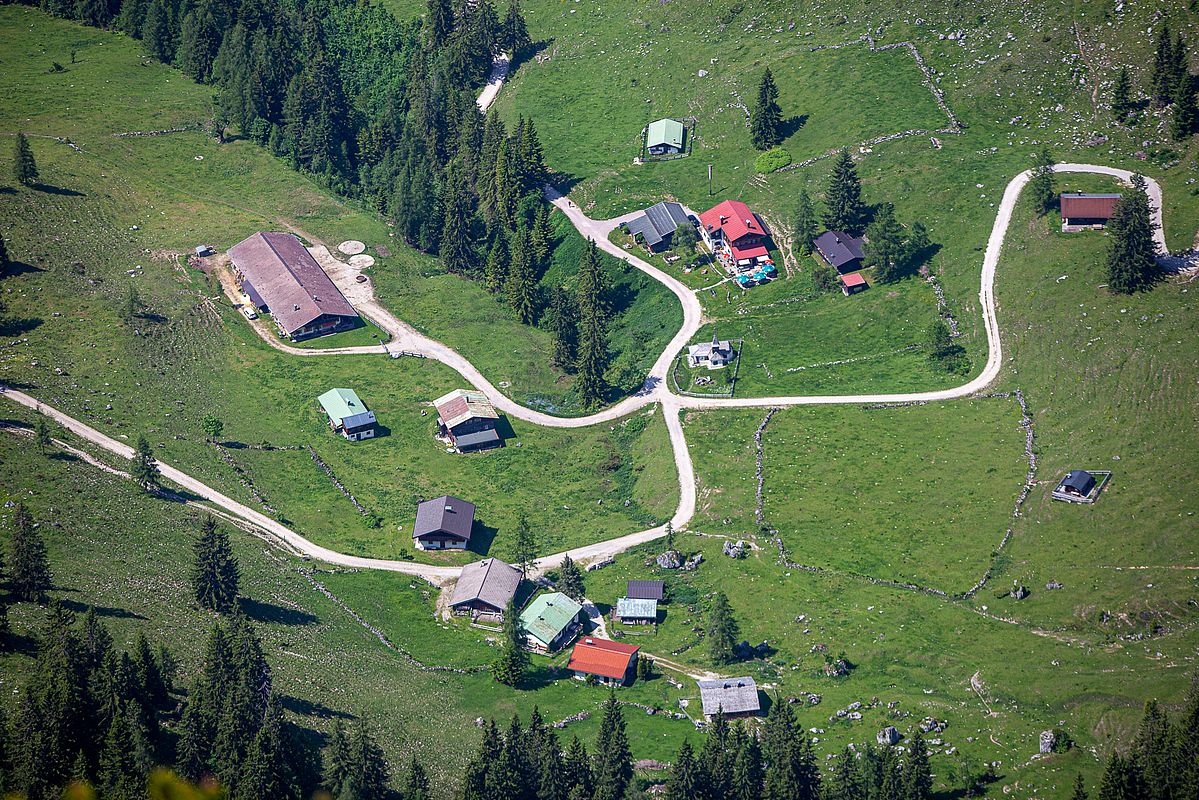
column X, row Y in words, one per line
column 1016, row 80
column 188, row 190
column 129, row 555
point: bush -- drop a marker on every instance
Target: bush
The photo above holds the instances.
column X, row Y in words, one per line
column 824, row 278
column 773, row 159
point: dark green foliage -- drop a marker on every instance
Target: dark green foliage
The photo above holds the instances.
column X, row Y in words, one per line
column 593, row 328
column 145, row 468
column 613, row 769
column 212, row 427
column 521, row 286
column 24, row 166
column 1041, row 187
column 805, row 223
column 215, row 574
column 570, row 580
column 943, row 350
column 514, row 34
column 364, row 774
column 1131, row 266
column 766, row 118
column 844, row 209
column 5, row 260
column 685, row 781
column 1080, row 789
column 439, row 20
column 1122, row 105
column 416, row 784
column 29, row 567
column 457, row 251
column 884, row 245
column 41, row 435
column 917, row 773
column 564, row 325
column 722, row 631
column 512, row 663
column 1161, row 81
column 1182, row 123
column 156, row 33
column 496, row 272
column 526, row 546
column 791, row 772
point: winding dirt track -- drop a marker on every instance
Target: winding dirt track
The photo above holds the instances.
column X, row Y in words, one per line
column 655, row 389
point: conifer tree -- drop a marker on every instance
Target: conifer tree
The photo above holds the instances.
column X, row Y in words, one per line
column 747, row 768
column 416, row 783
column 440, row 20
column 1122, row 105
column 805, row 223
column 1080, row 788
column 145, row 467
column 685, row 781
column 1182, row 123
column 266, row 770
column 844, row 210
column 577, row 765
column 543, row 237
column 846, row 782
column 495, row 274
column 41, row 435
column 96, row 13
column 614, row 760
column 215, row 575
column 722, row 631
column 457, row 252
column 24, row 166
column 514, row 36
column 917, row 773
column 510, row 666
column 884, row 245
column 5, row 260
column 593, row 334
column 200, row 38
column 1122, row 779
column 1041, row 187
column 1161, row 80
column 337, row 760
column 118, row 773
column 29, row 566
column 522, row 280
column 367, row 777
column 212, row 427
column 766, row 118
column 564, row 322
column 1131, row 263
column 570, row 580
column 156, row 31
column 526, row 546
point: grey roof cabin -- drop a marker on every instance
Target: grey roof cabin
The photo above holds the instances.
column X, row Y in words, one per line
column 735, row 696
column 840, row 251
column 443, row 523
column 657, row 224
column 485, row 588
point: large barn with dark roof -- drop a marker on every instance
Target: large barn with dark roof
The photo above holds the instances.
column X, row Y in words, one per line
column 280, row 276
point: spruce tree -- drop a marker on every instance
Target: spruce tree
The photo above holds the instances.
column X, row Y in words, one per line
column 118, row 772
column 266, row 768
column 368, row 774
column 531, row 158
column 722, row 631
column 805, row 223
column 766, row 118
column 5, row 260
column 156, row 31
column 1161, row 80
column 543, row 237
column 685, row 781
column 337, row 760
column 747, row 769
column 526, row 546
column 440, row 21
column 41, row 435
column 884, row 245
column 1182, row 123
column 846, row 782
column 416, row 783
column 1041, row 186
column 614, row 760
column 495, row 274
column 1122, row 104
column 24, row 166
column 456, row 249
column 29, row 575
column 844, row 210
column 593, row 334
column 1131, row 263
column 1080, row 788
column 564, row 322
column 522, row 280
column 578, row 768
column 917, row 773
column 145, row 467
column 570, row 580
column 512, row 662
column 514, row 33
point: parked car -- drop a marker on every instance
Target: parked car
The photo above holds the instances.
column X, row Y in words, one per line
column 249, row 312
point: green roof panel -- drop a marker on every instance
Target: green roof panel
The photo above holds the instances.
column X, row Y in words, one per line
column 341, row 403
column 548, row 615
column 665, row 131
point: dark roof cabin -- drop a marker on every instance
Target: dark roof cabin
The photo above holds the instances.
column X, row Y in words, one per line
column 840, row 251
column 281, row 276
column 1087, row 210
column 645, row 590
column 1078, row 482
column 657, row 224
column 443, row 523
column 485, row 588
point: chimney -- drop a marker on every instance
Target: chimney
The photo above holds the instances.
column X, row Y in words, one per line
column 723, row 219
column 295, row 307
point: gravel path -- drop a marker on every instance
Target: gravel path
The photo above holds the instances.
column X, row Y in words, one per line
column 655, row 389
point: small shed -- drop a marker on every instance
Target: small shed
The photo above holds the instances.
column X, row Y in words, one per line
column 714, row 355
column 347, row 414
column 664, row 136
column 1079, row 482
column 645, row 590
column 1082, row 211
column 853, row 283
column 550, row 621
column 736, row 697
column 636, row 611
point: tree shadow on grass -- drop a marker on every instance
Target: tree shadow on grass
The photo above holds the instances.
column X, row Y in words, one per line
column 791, row 125
column 307, row 708
column 276, row 614
column 15, row 326
column 527, row 53
column 46, row 188
column 77, row 607
column 15, row 268
column 538, row 678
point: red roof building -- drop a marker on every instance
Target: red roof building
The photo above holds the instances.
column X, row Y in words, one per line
column 853, row 283
column 731, row 226
column 610, row 662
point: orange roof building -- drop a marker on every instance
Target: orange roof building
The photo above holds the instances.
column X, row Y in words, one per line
column 611, row 663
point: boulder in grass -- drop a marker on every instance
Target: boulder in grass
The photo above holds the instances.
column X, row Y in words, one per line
column 671, row 559
column 888, row 736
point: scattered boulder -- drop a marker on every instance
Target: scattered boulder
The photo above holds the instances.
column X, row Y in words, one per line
column 606, row 562
column 693, row 562
column 1048, row 741
column 671, row 559
column 839, row 668
column 737, row 549
column 888, row 736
